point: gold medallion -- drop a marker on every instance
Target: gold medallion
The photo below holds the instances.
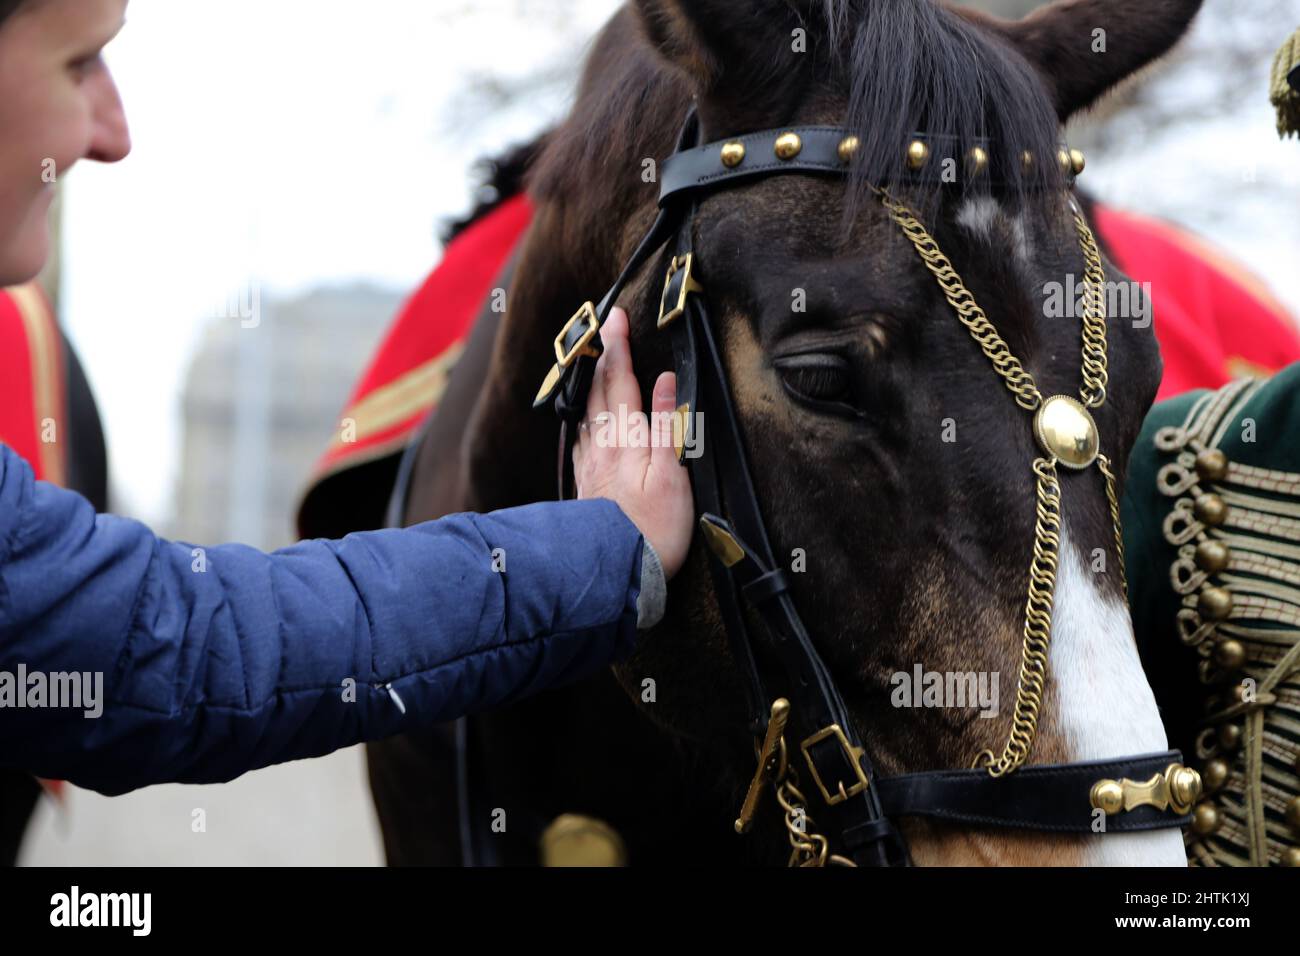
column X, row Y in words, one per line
column 1066, row 432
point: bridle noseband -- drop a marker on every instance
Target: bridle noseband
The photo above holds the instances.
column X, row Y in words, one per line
column 1146, row 792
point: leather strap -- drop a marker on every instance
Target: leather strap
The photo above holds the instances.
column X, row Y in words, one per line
column 1053, row 798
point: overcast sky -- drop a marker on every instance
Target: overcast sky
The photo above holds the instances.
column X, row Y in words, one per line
column 289, row 144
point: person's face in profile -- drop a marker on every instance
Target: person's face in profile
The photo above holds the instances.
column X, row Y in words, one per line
column 58, row 105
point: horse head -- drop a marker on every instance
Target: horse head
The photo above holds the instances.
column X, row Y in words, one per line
column 893, row 462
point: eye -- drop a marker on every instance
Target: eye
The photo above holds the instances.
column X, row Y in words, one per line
column 86, row 65
column 817, row 378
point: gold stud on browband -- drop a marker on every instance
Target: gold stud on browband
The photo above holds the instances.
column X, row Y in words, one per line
column 1063, row 160
column 918, row 154
column 1027, row 160
column 979, row 160
column 1077, row 162
column 848, row 148
column 788, row 145
column 733, row 154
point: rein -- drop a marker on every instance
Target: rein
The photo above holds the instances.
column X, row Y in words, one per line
column 808, row 719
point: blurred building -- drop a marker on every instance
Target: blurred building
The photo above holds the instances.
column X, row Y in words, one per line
column 261, row 402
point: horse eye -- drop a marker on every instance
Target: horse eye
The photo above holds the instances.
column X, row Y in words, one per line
column 816, row 377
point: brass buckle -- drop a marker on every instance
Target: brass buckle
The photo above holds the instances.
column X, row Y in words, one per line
column 854, row 755
column 689, row 285
column 583, row 345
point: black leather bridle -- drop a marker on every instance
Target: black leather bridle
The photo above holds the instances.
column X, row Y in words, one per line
column 1145, row 792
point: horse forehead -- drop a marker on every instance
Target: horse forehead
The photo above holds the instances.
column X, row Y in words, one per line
column 986, row 220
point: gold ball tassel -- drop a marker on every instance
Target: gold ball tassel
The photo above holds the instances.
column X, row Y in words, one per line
column 1284, row 88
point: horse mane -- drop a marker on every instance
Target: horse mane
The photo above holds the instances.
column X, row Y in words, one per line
column 496, row 179
column 907, row 66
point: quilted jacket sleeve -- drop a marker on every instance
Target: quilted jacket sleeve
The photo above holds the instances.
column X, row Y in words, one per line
column 218, row 661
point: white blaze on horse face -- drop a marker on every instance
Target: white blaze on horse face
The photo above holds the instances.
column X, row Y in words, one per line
column 1104, row 705
column 986, row 221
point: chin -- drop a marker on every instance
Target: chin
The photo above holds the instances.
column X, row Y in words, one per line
column 24, row 256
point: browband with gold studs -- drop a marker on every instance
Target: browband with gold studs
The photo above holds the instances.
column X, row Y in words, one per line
column 831, row 149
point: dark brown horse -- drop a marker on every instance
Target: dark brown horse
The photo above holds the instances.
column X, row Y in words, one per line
column 889, row 461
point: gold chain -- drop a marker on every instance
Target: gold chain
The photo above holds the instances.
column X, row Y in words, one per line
column 807, row 847
column 1019, row 381
column 1095, row 376
column 1038, row 625
column 1112, row 495
column 1047, row 527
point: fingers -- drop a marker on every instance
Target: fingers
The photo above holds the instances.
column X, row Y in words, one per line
column 663, row 404
column 621, row 387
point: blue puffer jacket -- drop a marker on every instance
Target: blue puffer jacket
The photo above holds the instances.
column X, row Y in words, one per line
column 220, row 661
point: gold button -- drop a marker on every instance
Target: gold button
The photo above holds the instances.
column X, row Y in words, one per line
column 979, row 160
column 1229, row 655
column 1215, row 775
column 575, row 840
column 1077, row 162
column 1212, row 465
column 1067, row 432
column 1063, row 160
column 1027, row 160
column 1212, row 556
column 788, row 145
column 1293, row 813
column 918, row 154
column 733, row 154
column 1205, row 819
column 1210, row 510
column 848, row 148
column 1230, row 736
column 1291, row 857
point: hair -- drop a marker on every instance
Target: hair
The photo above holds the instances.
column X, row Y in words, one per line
column 906, row 67
column 914, row 66
column 8, row 8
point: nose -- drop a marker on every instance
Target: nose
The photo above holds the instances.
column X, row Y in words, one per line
column 111, row 138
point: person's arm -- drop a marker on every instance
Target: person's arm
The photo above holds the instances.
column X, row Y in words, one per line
column 217, row 662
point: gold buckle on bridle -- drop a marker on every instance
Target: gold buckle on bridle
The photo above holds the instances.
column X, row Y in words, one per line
column 689, row 285
column 583, row 346
column 854, row 755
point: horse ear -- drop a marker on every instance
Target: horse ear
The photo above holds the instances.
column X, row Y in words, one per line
column 717, row 40
column 1083, row 48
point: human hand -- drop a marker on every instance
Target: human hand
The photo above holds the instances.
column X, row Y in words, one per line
column 644, row 478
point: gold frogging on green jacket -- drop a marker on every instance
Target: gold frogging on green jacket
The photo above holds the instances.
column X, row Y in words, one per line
column 1212, row 529
column 1284, row 87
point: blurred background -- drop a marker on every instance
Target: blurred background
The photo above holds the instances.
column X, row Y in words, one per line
column 293, row 165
